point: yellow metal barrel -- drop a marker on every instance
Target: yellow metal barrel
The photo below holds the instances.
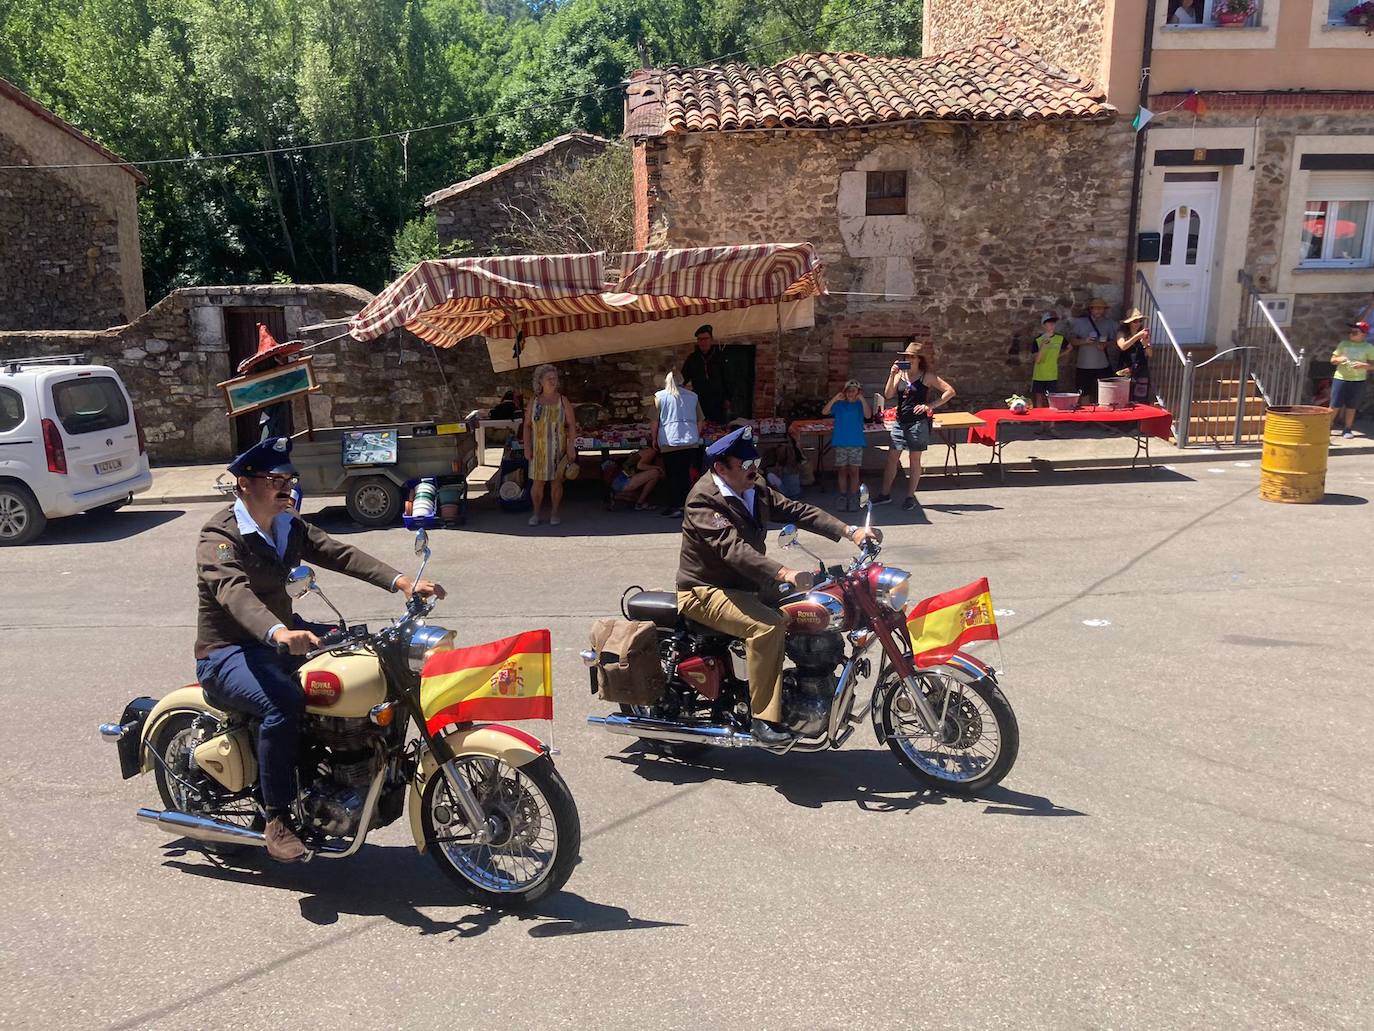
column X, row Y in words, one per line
column 1297, row 440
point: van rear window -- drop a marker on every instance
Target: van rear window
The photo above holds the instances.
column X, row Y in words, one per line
column 11, row 409
column 90, row 405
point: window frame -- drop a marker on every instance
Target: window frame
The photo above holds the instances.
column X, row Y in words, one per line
column 23, row 411
column 1366, row 258
column 889, row 201
column 109, row 393
column 1209, row 17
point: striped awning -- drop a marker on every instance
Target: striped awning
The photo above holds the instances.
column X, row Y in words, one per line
column 571, row 305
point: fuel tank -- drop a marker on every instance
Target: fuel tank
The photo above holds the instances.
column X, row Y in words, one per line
column 815, row 612
column 338, row 684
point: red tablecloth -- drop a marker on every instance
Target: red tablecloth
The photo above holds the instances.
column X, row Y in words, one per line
column 1154, row 422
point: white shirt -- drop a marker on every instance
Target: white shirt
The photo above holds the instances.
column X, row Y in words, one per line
column 724, row 488
column 281, row 530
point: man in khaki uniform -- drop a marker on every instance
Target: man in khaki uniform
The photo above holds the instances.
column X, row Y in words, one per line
column 723, row 566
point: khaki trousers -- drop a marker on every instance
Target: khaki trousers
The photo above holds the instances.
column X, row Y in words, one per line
column 741, row 614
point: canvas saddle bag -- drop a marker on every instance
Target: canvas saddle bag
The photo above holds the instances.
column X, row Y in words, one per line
column 627, row 670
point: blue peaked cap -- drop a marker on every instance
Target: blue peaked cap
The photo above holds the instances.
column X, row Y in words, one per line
column 271, row 456
column 739, row 443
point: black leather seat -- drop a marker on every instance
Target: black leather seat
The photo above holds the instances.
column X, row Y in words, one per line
column 656, row 607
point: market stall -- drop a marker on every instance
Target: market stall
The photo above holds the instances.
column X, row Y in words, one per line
column 1135, row 422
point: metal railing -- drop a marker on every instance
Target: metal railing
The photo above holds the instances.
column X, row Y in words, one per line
column 1279, row 369
column 1220, row 409
column 1171, row 368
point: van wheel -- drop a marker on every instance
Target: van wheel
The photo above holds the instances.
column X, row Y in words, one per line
column 373, row 501
column 21, row 520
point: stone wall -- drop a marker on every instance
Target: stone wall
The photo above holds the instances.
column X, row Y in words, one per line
column 60, row 258
column 172, row 358
column 1069, row 34
column 1003, row 221
column 473, row 211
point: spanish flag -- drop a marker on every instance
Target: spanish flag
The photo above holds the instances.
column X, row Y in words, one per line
column 511, row 679
column 939, row 626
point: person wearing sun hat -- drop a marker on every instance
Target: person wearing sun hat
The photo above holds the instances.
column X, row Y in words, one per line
column 1132, row 354
column 724, row 566
column 1090, row 334
column 1353, row 359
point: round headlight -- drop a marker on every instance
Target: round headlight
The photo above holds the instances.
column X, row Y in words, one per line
column 893, row 585
column 427, row 641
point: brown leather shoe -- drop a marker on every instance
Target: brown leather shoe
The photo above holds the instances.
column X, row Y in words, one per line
column 282, row 843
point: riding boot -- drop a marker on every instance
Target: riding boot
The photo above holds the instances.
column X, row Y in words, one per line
column 282, row 843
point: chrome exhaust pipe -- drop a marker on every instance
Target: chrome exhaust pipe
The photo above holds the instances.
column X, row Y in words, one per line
column 662, row 730
column 202, row 828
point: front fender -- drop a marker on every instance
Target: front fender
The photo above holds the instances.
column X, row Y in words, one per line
column 959, row 666
column 513, row 747
column 184, row 699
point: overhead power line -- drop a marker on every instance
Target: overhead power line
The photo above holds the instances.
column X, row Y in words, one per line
column 406, row 132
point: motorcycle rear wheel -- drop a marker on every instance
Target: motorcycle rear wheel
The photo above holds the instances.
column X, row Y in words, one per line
column 530, row 862
column 174, row 742
column 979, row 756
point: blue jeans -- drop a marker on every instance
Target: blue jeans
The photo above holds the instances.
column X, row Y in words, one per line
column 253, row 678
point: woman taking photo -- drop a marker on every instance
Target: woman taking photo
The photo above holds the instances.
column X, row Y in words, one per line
column 1133, row 357
column 677, row 423
column 550, row 433
column 919, row 392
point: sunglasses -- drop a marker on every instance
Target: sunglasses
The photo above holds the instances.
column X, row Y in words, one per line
column 749, row 463
column 279, row 480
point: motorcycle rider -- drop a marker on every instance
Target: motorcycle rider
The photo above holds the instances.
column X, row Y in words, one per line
column 723, row 566
column 245, row 623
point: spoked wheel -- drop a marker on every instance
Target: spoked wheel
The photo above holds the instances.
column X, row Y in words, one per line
column 534, row 823
column 189, row 790
column 977, row 741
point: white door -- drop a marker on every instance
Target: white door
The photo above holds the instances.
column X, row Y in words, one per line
column 1188, row 230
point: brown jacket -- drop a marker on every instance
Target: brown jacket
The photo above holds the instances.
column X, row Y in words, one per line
column 242, row 583
column 723, row 545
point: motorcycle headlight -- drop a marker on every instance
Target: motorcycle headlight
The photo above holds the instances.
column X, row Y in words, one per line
column 427, row 641
column 893, row 585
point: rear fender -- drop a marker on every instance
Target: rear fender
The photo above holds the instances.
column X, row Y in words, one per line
column 184, row 699
column 511, row 746
column 960, row 666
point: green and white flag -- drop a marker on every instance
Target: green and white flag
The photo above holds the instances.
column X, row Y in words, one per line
column 1141, row 119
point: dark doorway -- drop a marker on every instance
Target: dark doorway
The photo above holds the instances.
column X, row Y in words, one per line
column 241, row 334
column 739, row 379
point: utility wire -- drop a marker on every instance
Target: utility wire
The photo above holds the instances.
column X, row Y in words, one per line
column 236, row 155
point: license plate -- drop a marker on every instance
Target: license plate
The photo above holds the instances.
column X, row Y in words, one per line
column 102, row 468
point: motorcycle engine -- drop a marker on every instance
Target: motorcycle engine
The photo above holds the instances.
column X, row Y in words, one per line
column 333, row 803
column 808, row 688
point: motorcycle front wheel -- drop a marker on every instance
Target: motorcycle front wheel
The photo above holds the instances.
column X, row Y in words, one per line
column 979, row 737
column 534, row 820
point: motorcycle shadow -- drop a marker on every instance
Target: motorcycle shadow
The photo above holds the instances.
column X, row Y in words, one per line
column 870, row 779
column 397, row 883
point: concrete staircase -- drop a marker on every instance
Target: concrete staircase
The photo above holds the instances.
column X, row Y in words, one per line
column 1217, row 393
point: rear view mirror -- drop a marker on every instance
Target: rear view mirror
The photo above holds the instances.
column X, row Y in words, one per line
column 421, row 542
column 787, row 536
column 300, row 582
column 863, row 495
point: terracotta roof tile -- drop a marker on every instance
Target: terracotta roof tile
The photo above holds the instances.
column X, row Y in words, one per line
column 995, row 80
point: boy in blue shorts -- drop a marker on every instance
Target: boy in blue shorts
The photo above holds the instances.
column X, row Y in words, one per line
column 850, row 410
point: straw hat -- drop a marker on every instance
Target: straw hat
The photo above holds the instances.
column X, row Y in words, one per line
column 915, row 347
column 1134, row 315
column 1097, row 302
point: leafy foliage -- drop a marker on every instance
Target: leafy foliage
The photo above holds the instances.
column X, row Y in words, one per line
column 180, row 79
column 588, row 207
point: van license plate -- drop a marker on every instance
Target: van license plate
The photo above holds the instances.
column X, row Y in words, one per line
column 108, row 467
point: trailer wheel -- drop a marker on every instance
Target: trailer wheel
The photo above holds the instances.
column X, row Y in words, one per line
column 373, row 501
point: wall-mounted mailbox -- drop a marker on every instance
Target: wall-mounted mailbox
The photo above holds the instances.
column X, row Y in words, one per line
column 1147, row 247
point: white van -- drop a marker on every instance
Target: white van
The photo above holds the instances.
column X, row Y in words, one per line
column 69, row 443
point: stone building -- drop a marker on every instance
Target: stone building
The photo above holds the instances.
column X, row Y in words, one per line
column 473, row 211
column 69, row 252
column 952, row 198
column 1258, row 160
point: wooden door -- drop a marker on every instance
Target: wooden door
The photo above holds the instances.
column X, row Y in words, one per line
column 241, row 334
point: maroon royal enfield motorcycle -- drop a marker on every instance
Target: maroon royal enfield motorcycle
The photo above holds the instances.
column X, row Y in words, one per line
column 948, row 723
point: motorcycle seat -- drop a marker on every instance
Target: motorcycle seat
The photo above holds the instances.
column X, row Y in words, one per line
column 656, row 607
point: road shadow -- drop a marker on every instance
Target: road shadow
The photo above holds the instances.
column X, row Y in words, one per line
column 103, row 528
column 1042, row 473
column 1343, row 499
column 396, row 883
column 870, row 779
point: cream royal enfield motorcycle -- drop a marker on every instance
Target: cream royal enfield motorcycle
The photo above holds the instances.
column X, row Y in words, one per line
column 485, row 800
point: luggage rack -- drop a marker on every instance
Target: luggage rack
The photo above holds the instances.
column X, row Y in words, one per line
column 13, row 365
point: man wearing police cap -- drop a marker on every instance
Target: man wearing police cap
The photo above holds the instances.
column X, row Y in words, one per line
column 245, row 624
column 724, row 566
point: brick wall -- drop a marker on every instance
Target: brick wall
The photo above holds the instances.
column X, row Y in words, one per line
column 59, row 253
column 1003, row 221
column 1069, row 33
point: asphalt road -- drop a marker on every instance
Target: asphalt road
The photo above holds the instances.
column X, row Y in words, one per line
column 1185, row 841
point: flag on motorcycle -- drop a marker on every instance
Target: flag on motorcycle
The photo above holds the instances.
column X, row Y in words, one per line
column 941, row 625
column 510, row 679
